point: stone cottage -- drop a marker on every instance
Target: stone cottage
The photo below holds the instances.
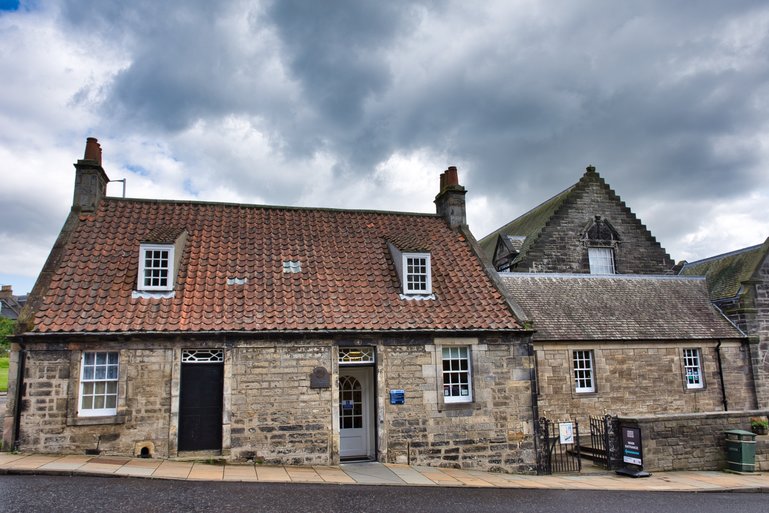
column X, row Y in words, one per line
column 272, row 334
column 613, row 325
column 738, row 283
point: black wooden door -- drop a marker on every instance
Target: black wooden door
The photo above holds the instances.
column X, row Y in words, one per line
column 200, row 406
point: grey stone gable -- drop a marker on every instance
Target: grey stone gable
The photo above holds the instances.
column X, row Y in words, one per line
column 554, row 231
column 567, row 307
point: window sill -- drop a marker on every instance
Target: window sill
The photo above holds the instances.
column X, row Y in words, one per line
column 95, row 421
column 152, row 294
column 472, row 405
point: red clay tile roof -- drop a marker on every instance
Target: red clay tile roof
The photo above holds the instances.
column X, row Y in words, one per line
column 347, row 281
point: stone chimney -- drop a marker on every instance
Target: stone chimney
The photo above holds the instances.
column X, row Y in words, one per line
column 450, row 201
column 6, row 292
column 90, row 178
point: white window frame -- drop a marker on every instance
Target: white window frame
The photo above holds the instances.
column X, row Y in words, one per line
column 692, row 362
column 93, row 374
column 410, row 273
column 170, row 278
column 601, row 260
column 459, row 375
column 583, row 370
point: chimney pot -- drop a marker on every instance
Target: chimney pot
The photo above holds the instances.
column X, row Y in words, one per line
column 451, row 176
column 590, row 169
column 92, row 150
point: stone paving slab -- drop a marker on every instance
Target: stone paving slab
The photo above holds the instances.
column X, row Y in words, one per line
column 373, row 473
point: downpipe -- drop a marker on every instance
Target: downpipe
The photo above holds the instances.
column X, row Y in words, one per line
column 721, row 375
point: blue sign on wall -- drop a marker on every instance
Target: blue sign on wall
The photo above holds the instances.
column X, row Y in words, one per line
column 397, row 396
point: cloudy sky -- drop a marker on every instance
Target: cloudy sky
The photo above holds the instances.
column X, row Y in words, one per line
column 357, row 104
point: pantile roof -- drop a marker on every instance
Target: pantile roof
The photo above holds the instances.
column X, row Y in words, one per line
column 726, row 273
column 572, row 307
column 231, row 274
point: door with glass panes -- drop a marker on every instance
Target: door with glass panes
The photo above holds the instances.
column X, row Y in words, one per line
column 356, row 398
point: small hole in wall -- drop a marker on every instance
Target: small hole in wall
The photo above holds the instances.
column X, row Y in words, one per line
column 145, row 452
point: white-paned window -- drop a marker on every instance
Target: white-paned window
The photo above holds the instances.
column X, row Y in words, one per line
column 156, row 267
column 457, row 386
column 98, row 383
column 584, row 380
column 417, row 275
column 692, row 368
column 601, row 260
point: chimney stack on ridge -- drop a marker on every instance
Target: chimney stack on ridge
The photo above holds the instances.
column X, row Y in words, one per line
column 90, row 178
column 450, row 201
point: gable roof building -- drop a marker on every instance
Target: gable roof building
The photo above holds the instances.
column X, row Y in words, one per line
column 10, row 305
column 611, row 343
column 738, row 283
column 275, row 334
column 569, row 232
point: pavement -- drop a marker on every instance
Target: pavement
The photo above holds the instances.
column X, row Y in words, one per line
column 372, row 473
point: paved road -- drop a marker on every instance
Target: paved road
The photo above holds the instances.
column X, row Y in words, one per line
column 53, row 494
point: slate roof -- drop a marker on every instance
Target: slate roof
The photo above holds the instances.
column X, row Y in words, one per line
column 571, row 307
column 528, row 225
column 347, row 281
column 726, row 273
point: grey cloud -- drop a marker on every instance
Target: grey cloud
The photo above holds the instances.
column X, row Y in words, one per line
column 594, row 82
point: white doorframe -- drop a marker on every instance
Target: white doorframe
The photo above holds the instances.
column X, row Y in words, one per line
column 356, row 412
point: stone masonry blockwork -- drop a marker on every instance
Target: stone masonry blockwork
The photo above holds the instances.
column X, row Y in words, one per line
column 642, row 379
column 270, row 412
column 559, row 247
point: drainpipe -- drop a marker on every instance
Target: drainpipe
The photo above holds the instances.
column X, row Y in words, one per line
column 19, row 387
column 721, row 375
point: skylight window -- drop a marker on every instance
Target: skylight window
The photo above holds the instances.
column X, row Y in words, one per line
column 292, row 266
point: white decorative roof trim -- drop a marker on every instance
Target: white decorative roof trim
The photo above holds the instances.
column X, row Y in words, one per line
column 417, row 297
column 140, row 294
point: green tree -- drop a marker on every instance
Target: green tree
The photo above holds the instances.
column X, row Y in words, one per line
column 6, row 329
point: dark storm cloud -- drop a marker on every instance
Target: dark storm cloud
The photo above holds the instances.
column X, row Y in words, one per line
column 650, row 94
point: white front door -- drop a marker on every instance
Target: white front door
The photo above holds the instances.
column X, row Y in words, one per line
column 355, row 412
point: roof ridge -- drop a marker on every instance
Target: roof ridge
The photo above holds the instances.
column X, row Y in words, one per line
column 265, row 207
column 688, row 265
column 648, row 277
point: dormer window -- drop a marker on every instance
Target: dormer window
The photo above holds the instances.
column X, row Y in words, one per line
column 414, row 271
column 156, row 263
column 417, row 275
column 159, row 258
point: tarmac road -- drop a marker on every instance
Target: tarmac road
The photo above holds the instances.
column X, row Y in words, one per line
column 53, row 494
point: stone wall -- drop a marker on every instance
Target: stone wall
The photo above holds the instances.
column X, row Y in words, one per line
column 559, row 247
column 693, row 441
column 270, row 412
column 637, row 378
column 750, row 312
column 275, row 416
column 494, row 432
